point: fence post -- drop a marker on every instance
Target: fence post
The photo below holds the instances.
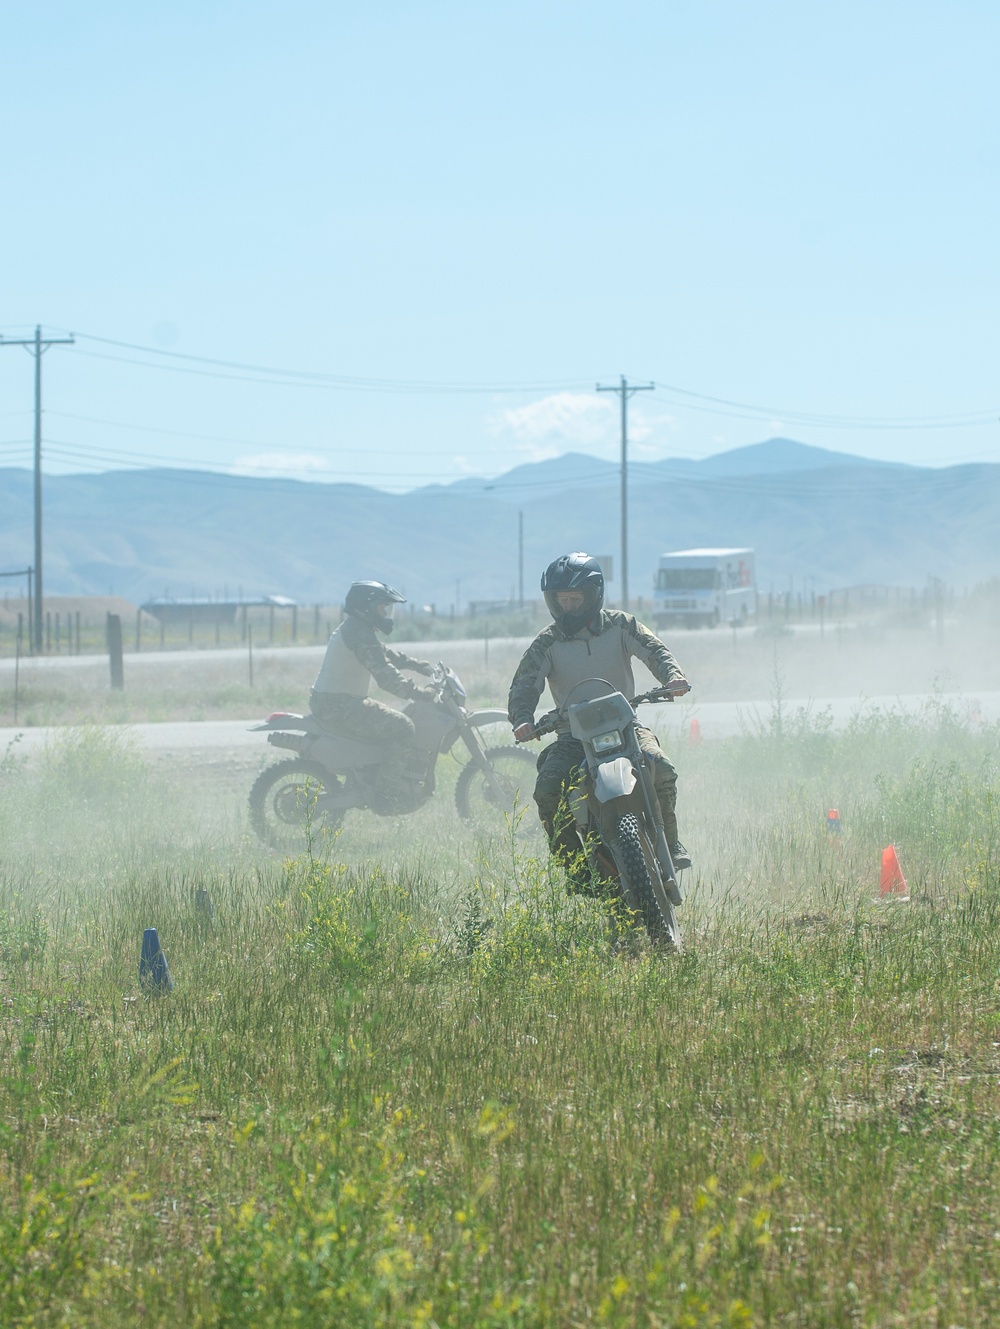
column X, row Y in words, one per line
column 17, row 669
column 114, row 633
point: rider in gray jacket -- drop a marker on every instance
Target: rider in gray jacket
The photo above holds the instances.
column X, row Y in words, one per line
column 354, row 656
column 585, row 640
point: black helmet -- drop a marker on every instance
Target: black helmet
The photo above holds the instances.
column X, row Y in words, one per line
column 373, row 601
column 574, row 572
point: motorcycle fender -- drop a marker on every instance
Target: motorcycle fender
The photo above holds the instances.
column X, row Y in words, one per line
column 479, row 718
column 614, row 779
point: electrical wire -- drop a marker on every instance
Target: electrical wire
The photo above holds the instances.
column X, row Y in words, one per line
column 270, row 375
column 240, row 442
column 318, row 379
column 845, row 421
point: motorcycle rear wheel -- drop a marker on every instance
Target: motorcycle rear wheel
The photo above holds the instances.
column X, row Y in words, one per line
column 480, row 805
column 635, row 855
column 283, row 804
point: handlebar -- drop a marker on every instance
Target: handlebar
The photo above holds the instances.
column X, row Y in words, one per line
column 666, row 693
column 546, row 724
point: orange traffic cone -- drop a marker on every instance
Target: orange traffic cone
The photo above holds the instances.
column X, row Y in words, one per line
column 892, row 881
column 694, row 733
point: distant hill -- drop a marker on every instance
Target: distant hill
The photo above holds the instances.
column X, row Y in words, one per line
column 827, row 517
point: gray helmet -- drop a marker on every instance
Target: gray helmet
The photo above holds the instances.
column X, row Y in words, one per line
column 372, row 601
column 574, row 572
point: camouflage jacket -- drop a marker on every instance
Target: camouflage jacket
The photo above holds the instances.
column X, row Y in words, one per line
column 563, row 661
column 354, row 656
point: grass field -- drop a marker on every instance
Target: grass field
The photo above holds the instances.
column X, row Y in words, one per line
column 873, row 656
column 403, row 1079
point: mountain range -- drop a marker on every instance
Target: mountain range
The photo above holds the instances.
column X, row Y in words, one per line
column 815, row 517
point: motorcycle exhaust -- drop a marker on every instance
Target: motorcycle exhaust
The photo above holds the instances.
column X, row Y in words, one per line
column 297, row 742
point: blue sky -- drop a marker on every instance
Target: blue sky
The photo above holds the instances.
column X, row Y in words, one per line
column 460, row 216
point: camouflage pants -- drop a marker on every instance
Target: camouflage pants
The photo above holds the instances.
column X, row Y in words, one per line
column 361, row 718
column 558, row 768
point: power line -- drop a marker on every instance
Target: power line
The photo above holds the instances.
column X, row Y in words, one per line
column 316, row 378
column 239, row 442
column 275, row 376
column 821, row 420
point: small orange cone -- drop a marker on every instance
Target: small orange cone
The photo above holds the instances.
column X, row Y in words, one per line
column 694, row 733
column 892, row 881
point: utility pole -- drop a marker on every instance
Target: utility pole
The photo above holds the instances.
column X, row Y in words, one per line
column 625, row 390
column 36, row 347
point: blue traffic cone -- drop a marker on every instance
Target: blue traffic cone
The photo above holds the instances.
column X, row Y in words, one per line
column 154, row 972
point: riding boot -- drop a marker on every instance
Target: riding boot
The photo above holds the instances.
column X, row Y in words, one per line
column 680, row 856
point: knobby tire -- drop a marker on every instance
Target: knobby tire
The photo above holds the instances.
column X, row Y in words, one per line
column 475, row 799
column 270, row 804
column 633, row 866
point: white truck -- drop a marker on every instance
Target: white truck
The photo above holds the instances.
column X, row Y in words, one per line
column 704, row 587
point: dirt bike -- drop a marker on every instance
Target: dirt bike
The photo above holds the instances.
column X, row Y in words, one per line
column 332, row 773
column 615, row 809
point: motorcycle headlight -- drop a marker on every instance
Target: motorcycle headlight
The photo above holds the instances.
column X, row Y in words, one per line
column 456, row 684
column 607, row 742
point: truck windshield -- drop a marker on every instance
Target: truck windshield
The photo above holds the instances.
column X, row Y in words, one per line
column 687, row 579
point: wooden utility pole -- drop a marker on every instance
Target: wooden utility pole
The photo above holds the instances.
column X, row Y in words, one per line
column 36, row 345
column 625, row 390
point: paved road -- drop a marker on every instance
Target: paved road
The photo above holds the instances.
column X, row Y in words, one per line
column 716, row 720
column 430, row 650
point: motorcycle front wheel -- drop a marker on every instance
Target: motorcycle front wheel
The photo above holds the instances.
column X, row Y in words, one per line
column 283, row 804
column 636, row 866
column 485, row 806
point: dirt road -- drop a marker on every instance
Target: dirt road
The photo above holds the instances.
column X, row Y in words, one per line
column 715, row 719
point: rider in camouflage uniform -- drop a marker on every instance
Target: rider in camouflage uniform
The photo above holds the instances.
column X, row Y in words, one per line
column 587, row 641
column 354, row 656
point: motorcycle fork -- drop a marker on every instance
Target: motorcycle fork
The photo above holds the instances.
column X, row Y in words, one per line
column 477, row 753
column 656, row 821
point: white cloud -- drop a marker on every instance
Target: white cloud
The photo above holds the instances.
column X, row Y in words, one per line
column 281, row 463
column 645, row 431
column 565, row 419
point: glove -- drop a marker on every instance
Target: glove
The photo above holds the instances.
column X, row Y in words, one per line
column 426, row 668
column 425, row 694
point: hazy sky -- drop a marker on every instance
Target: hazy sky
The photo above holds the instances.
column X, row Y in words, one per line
column 790, row 205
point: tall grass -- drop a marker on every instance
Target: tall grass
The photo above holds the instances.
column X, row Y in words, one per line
column 405, row 1079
